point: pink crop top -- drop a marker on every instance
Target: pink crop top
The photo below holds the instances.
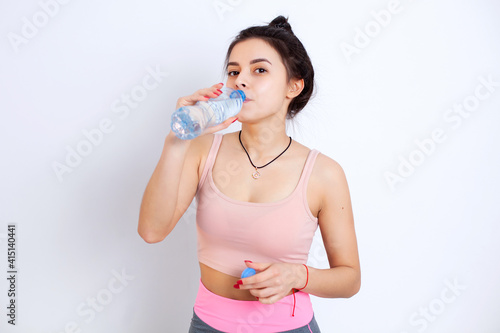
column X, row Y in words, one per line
column 231, row 231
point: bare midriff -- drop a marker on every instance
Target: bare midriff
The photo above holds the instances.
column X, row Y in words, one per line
column 222, row 284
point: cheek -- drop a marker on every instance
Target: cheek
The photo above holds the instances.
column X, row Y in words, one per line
column 270, row 93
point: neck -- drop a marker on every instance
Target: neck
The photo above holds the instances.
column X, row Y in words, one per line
column 264, row 142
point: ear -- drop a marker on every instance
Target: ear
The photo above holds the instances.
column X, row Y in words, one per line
column 295, row 88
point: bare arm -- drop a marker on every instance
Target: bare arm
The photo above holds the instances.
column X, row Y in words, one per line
column 173, row 184
column 336, row 223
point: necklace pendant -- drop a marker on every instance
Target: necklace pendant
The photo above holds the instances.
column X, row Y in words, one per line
column 256, row 174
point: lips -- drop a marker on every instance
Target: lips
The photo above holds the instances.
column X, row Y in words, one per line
column 247, row 100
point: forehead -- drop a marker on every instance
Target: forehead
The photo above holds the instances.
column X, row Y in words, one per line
column 253, row 48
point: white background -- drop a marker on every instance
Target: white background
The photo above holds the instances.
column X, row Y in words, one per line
column 437, row 227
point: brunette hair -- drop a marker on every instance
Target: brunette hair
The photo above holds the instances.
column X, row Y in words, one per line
column 279, row 35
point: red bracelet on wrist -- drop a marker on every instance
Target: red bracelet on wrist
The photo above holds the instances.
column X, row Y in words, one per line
column 307, row 279
column 293, row 290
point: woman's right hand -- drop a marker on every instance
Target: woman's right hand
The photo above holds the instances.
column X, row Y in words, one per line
column 204, row 95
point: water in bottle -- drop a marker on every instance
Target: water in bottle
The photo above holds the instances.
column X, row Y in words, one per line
column 190, row 121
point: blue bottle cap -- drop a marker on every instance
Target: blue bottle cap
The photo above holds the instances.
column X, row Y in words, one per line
column 248, row 272
column 240, row 92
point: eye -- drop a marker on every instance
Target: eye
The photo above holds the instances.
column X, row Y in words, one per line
column 231, row 73
column 261, row 70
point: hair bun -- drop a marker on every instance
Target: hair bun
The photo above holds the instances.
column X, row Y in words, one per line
column 281, row 22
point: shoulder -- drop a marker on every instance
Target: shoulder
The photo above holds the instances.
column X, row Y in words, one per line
column 325, row 167
column 329, row 179
column 328, row 169
column 200, row 146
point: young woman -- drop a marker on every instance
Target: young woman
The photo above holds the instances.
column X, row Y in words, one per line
column 261, row 197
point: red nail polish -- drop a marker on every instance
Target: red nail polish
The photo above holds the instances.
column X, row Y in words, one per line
column 246, row 260
column 206, row 96
column 257, row 297
column 239, row 282
column 237, row 286
column 219, row 91
column 231, row 123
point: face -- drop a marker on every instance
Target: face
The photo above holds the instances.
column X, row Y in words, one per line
column 256, row 68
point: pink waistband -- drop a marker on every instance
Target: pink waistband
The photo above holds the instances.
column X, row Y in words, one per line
column 237, row 316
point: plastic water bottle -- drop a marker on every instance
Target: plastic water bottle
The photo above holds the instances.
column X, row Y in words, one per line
column 190, row 121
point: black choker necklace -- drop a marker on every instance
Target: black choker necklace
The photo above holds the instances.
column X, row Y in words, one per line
column 256, row 174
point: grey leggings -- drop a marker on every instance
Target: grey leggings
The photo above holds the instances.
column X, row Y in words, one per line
column 199, row 326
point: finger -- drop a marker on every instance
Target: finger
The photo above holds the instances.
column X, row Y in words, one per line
column 267, row 296
column 225, row 124
column 258, row 266
column 260, row 280
column 190, row 100
column 270, row 300
column 200, row 95
column 272, row 286
column 213, row 91
column 263, row 292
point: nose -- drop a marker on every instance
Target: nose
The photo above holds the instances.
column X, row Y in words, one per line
column 240, row 84
column 240, row 81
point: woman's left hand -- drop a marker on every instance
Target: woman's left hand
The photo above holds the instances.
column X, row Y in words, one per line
column 273, row 281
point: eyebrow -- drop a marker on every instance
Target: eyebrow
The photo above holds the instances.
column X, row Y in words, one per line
column 233, row 63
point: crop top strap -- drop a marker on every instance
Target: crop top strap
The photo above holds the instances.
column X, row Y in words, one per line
column 210, row 158
column 306, row 172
